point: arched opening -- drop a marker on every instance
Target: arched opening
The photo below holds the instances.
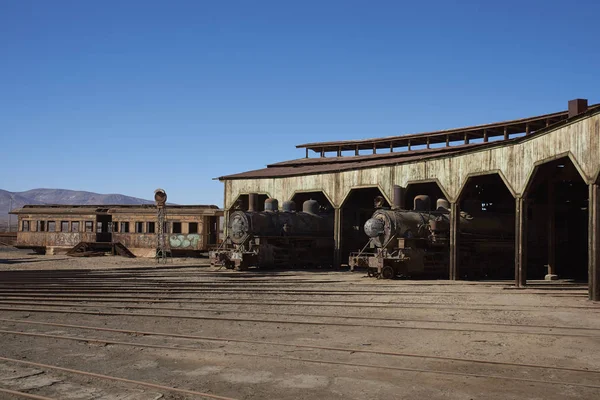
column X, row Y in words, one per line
column 486, row 229
column 243, row 201
column 431, row 189
column 557, row 222
column 357, row 208
column 300, row 197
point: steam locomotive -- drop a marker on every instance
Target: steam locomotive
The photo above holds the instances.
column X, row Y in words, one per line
column 416, row 242
column 274, row 238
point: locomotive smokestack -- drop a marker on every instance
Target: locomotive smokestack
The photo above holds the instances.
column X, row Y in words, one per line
column 399, row 193
column 252, row 202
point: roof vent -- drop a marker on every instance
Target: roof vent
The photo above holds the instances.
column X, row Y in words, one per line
column 577, row 106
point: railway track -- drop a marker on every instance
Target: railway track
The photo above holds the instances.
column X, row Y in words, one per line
column 63, row 310
column 299, row 322
column 113, row 379
column 310, row 315
column 275, row 357
column 274, row 301
column 284, row 344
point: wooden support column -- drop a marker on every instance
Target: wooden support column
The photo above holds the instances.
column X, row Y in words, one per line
column 485, row 136
column 337, row 232
column 356, row 152
column 428, row 143
column 466, row 139
column 374, row 149
column 409, row 145
column 307, row 153
column 323, row 152
column 520, row 241
column 594, row 242
column 339, row 154
column 447, row 141
column 547, row 123
column 527, row 129
column 391, row 147
column 506, row 133
column 454, row 240
column 551, row 274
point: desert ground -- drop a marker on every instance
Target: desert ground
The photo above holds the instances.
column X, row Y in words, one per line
column 118, row 328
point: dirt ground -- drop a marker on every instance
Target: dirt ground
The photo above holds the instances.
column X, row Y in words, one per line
column 187, row 330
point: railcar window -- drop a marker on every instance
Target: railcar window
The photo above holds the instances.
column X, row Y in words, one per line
column 75, row 226
column 64, row 226
column 25, row 226
column 124, row 227
column 89, row 226
column 51, row 226
column 99, row 227
column 176, row 227
column 151, row 227
column 41, row 226
column 139, row 227
column 193, row 227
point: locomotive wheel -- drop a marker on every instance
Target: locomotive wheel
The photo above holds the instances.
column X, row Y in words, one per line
column 387, row 272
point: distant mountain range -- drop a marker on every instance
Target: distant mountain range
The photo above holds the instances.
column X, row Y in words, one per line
column 58, row 196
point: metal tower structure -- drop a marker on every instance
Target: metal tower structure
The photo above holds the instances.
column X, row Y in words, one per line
column 162, row 247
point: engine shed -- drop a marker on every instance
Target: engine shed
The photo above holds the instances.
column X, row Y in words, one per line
column 540, row 173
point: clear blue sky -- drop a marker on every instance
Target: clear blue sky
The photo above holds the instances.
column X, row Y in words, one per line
column 126, row 96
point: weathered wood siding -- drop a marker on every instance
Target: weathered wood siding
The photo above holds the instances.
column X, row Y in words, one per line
column 515, row 162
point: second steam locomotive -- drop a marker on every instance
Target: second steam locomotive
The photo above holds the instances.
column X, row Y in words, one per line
column 273, row 238
column 416, row 242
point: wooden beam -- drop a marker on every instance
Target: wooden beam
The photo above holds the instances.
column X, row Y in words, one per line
column 594, row 242
column 454, row 236
column 521, row 241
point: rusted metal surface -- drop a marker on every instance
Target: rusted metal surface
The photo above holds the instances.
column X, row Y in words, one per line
column 480, row 131
column 106, row 223
column 416, row 242
column 273, row 239
column 577, row 106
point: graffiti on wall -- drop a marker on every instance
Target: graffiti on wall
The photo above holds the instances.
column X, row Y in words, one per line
column 184, row 241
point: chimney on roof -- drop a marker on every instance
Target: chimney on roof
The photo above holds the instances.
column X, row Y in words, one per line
column 577, row 107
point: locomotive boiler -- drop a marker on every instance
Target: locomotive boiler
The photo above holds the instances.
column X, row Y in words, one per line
column 274, row 238
column 416, row 242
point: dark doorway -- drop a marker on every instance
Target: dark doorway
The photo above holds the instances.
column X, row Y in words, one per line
column 486, row 239
column 358, row 207
column 213, row 230
column 557, row 222
column 104, row 228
